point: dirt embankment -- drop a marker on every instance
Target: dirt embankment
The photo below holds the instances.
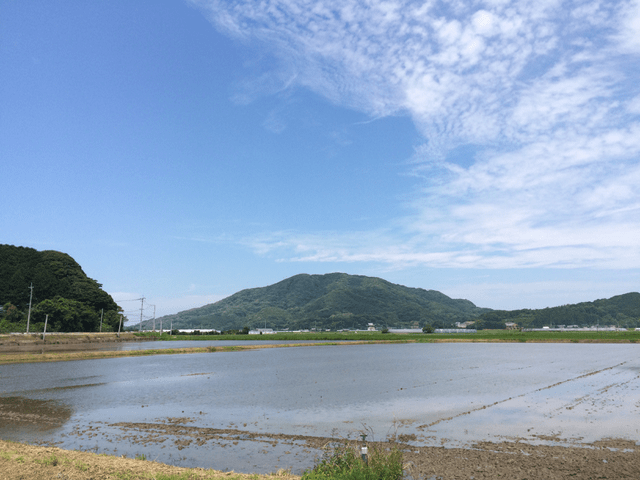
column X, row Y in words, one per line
column 62, row 342
column 29, row 462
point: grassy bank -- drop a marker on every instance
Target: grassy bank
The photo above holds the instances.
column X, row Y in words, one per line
column 481, row 336
column 78, row 337
column 20, row 461
column 7, row 358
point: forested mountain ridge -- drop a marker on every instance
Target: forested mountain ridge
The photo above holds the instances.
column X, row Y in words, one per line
column 61, row 289
column 620, row 310
column 335, row 301
column 339, row 300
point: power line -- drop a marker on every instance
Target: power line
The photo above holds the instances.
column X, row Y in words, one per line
column 143, row 317
column 141, row 310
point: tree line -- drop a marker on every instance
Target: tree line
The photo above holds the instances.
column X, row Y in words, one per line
column 73, row 301
column 620, row 311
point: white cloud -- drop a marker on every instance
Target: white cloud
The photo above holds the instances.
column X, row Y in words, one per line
column 274, row 122
column 629, row 34
column 547, row 89
column 634, row 105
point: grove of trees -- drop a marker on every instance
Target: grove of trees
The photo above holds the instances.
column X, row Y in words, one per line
column 620, row 311
column 61, row 289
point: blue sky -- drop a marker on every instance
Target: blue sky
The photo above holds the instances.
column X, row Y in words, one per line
column 185, row 150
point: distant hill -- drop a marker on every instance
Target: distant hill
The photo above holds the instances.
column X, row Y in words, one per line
column 335, row 301
column 621, row 310
column 61, row 289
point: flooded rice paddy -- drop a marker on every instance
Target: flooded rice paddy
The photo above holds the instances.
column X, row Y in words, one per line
column 260, row 410
column 159, row 345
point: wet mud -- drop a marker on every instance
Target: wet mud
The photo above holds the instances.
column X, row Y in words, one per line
column 613, row 459
column 41, row 415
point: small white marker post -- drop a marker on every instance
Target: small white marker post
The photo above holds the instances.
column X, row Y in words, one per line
column 364, row 451
column 46, row 319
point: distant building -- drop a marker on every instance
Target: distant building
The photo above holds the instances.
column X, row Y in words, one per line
column 262, row 331
column 371, row 327
column 191, row 330
column 465, row 324
column 511, row 326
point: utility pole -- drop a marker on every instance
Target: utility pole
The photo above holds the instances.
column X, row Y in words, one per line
column 141, row 310
column 154, row 318
column 101, row 315
column 29, row 315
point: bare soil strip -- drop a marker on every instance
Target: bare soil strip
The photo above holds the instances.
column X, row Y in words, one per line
column 7, row 358
column 89, row 353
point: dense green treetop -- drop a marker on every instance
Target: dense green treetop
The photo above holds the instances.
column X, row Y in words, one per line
column 60, row 288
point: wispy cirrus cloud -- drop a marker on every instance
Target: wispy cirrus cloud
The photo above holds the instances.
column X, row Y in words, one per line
column 546, row 90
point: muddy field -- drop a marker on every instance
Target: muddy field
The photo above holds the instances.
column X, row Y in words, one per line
column 611, row 459
column 513, row 460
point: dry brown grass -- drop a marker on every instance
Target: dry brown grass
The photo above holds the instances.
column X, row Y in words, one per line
column 28, row 462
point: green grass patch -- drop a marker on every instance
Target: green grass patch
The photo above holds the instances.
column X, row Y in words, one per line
column 335, row 338
column 53, row 460
column 343, row 462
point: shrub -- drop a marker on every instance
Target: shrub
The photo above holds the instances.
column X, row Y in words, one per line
column 344, row 463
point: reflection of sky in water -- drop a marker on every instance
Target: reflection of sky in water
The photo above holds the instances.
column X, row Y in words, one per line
column 436, row 391
column 159, row 345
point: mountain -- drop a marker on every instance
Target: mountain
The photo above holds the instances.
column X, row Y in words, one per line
column 335, row 300
column 621, row 310
column 61, row 290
